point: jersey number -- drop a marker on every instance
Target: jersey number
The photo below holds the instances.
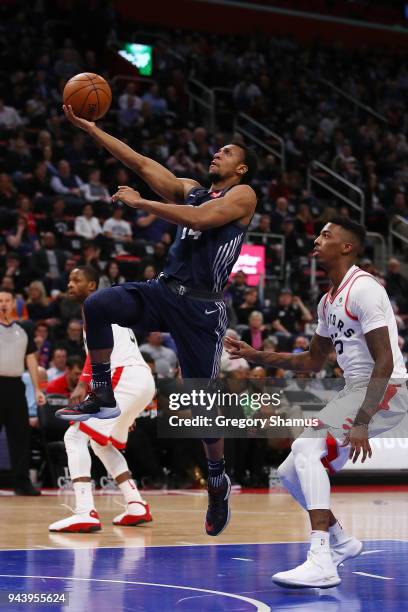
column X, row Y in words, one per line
column 195, row 233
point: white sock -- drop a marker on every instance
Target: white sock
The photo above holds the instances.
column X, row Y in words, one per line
column 83, row 497
column 319, row 542
column 130, row 491
column 337, row 534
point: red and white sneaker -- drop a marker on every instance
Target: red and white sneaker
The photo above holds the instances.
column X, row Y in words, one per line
column 84, row 522
column 136, row 513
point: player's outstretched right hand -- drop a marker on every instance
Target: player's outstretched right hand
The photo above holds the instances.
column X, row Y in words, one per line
column 238, row 349
column 77, row 121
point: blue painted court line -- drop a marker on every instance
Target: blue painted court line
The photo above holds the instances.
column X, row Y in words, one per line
column 233, row 577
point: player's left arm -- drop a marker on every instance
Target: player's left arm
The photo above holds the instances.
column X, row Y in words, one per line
column 238, row 204
column 369, row 305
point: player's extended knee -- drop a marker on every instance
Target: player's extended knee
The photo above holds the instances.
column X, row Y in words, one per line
column 307, row 448
column 74, row 439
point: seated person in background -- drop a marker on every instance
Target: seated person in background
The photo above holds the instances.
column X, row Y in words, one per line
column 66, row 183
column 43, row 344
column 112, row 276
column 118, row 229
column 65, row 384
column 290, row 314
column 87, row 225
column 256, row 333
column 48, row 262
column 39, row 306
column 95, row 190
column 165, row 359
column 58, row 364
column 73, row 343
column 151, row 228
column 250, row 303
column 237, row 288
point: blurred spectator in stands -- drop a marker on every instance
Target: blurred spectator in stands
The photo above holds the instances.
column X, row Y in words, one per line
column 250, row 303
column 279, row 213
column 269, row 170
column 290, row 314
column 368, row 266
column 227, row 364
column 9, row 117
column 65, row 183
column 43, row 343
column 19, row 162
column 300, row 345
column 149, row 273
column 399, row 206
column 25, row 210
column 39, row 306
column 118, row 229
column 58, row 224
column 256, row 333
column 129, row 117
column 164, row 358
column 94, row 190
column 68, row 65
column 21, row 240
column 156, row 102
column 245, row 93
column 38, row 185
column 304, row 222
column 397, row 285
column 297, row 148
column 181, row 164
column 58, row 364
column 87, row 225
column 65, row 384
column 263, row 226
column 48, row 262
column 73, row 344
column 14, row 270
column 8, row 193
column 237, row 288
column 295, row 245
column 130, row 96
column 111, row 276
column 91, row 254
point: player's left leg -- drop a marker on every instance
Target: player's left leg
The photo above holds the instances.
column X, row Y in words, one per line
column 199, row 337
column 84, row 518
column 134, row 392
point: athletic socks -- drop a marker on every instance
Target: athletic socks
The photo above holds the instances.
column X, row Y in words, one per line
column 320, row 542
column 337, row 534
column 130, row 491
column 216, row 472
column 83, row 497
column 101, row 377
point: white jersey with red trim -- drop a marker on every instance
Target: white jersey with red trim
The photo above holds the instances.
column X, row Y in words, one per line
column 125, row 350
column 359, row 305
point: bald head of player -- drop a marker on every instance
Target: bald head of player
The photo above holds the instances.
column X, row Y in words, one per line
column 83, row 281
column 234, row 162
column 339, row 244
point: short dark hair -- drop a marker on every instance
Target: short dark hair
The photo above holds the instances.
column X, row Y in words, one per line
column 250, row 160
column 90, row 273
column 75, row 360
column 353, row 227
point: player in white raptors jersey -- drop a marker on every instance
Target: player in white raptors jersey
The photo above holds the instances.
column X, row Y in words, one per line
column 355, row 317
column 134, row 389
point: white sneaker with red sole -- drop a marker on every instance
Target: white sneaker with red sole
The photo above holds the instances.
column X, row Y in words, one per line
column 84, row 522
column 136, row 513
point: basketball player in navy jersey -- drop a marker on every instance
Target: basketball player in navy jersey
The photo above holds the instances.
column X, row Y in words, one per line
column 187, row 298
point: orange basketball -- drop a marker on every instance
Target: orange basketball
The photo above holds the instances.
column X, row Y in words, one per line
column 89, row 95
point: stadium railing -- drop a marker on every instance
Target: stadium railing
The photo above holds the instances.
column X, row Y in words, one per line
column 260, row 135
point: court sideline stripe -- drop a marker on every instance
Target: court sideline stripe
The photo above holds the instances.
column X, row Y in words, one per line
column 373, row 576
column 259, row 605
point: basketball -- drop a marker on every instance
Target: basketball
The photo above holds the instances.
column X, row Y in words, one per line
column 89, row 95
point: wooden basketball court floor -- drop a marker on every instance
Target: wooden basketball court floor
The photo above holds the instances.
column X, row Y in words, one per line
column 170, row 564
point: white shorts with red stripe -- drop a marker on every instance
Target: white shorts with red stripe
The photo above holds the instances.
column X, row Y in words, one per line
column 338, row 416
column 134, row 389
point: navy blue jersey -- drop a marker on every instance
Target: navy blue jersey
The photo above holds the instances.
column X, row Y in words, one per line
column 204, row 259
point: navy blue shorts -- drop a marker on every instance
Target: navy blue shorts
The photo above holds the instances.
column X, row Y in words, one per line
column 197, row 327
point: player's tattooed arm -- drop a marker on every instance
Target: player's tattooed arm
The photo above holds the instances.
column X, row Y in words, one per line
column 158, row 177
column 379, row 345
column 237, row 205
column 311, row 360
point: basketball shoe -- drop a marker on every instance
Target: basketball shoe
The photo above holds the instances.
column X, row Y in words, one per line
column 348, row 549
column 136, row 513
column 84, row 522
column 101, row 406
column 318, row 571
column 218, row 512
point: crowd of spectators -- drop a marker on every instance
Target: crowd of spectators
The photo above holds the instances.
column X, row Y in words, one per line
column 55, row 183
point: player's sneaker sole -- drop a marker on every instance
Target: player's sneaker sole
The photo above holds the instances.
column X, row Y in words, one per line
column 103, row 413
column 77, row 529
column 324, row 584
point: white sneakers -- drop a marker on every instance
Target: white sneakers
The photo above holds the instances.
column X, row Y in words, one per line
column 84, row 522
column 320, row 569
column 346, row 550
column 136, row 513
